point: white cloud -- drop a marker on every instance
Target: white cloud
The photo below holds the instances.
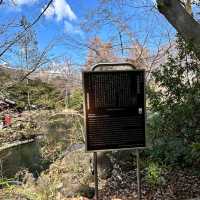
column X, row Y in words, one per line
column 23, row 2
column 72, row 29
column 60, row 9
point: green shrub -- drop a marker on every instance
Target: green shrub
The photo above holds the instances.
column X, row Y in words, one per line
column 76, row 100
column 41, row 94
column 174, row 100
column 171, row 151
column 154, row 175
column 195, row 154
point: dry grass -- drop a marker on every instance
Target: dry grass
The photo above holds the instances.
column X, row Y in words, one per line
column 63, row 178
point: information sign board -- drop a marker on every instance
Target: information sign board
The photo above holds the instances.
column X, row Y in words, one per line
column 114, row 106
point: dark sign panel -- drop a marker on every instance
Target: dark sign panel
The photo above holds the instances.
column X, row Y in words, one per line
column 114, row 109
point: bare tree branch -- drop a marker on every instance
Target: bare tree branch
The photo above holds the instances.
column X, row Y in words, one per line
column 21, row 35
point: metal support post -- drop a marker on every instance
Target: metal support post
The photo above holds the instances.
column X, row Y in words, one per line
column 96, row 176
column 138, row 175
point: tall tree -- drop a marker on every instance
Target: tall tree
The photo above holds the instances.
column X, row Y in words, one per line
column 29, row 56
column 139, row 55
column 178, row 13
column 99, row 52
column 29, row 51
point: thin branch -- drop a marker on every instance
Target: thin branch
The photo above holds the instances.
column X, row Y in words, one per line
column 21, row 35
column 121, row 43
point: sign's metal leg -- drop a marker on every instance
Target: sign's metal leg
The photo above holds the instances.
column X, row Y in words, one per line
column 138, row 175
column 96, row 176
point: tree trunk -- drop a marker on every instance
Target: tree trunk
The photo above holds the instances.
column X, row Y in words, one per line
column 182, row 21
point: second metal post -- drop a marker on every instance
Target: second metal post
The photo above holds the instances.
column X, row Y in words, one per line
column 96, row 176
column 138, row 174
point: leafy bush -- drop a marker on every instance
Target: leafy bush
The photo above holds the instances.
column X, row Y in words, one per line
column 171, row 151
column 76, row 100
column 41, row 94
column 195, row 154
column 174, row 99
column 154, row 175
column 4, row 77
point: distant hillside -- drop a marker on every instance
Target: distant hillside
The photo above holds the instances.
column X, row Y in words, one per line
column 59, row 80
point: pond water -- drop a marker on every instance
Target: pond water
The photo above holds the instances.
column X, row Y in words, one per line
column 24, row 156
column 58, row 133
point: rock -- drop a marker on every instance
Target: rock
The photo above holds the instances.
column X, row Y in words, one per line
column 125, row 159
column 73, row 172
column 77, row 189
column 86, row 191
column 70, row 186
column 105, row 166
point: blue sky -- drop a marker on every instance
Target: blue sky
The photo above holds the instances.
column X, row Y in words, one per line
column 64, row 18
